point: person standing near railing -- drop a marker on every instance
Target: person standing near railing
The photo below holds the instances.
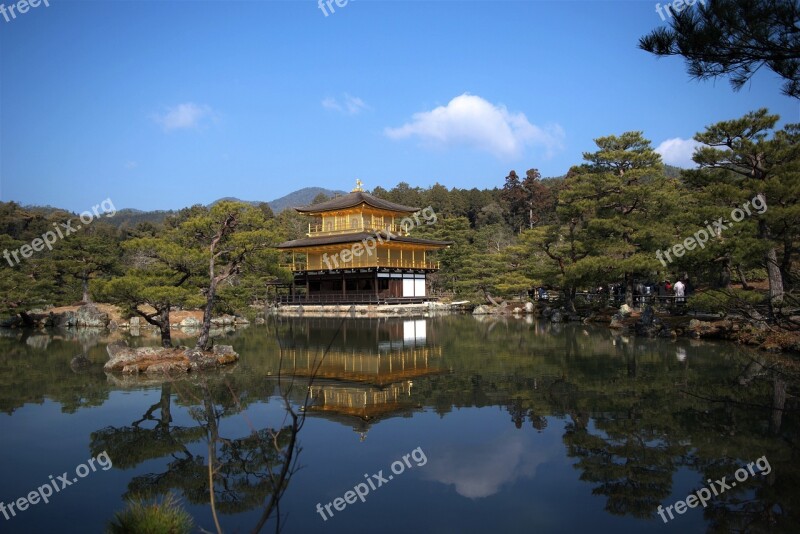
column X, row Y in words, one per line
column 679, row 292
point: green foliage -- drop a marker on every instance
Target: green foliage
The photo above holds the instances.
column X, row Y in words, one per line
column 733, row 38
column 165, row 517
column 600, row 224
column 725, row 300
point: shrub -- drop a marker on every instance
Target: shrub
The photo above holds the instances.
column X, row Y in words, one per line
column 166, row 517
column 725, row 300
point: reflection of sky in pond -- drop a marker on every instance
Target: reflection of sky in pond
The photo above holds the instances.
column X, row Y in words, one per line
column 478, row 470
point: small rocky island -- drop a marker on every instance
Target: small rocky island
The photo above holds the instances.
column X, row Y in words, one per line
column 167, row 361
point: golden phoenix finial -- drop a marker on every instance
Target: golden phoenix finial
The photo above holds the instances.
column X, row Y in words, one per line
column 358, row 186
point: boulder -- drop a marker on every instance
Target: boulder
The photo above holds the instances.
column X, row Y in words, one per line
column 65, row 319
column 529, row 307
column 224, row 320
column 625, row 310
column 134, row 322
column 650, row 325
column 617, row 321
column 556, row 317
column 91, row 316
column 481, row 310
column 11, row 322
column 190, row 322
column 80, row 363
column 709, row 329
column 168, row 367
column 116, row 348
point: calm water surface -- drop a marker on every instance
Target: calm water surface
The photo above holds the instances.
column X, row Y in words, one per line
column 518, row 426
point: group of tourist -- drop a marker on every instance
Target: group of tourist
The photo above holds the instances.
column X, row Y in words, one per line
column 679, row 289
column 643, row 292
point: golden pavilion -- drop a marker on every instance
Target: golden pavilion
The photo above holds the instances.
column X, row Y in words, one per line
column 358, row 250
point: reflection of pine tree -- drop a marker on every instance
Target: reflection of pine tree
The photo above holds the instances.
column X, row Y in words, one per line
column 517, row 412
column 631, row 466
column 538, row 422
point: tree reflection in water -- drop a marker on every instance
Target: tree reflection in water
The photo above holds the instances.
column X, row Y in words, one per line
column 235, row 474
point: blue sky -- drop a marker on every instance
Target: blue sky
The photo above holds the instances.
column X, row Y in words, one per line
column 161, row 105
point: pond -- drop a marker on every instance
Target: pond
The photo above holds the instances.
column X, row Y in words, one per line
column 444, row 424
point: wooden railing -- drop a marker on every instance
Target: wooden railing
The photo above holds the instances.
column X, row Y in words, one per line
column 335, row 262
column 317, row 229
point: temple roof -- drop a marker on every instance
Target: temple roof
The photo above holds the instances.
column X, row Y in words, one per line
column 356, row 237
column 353, row 199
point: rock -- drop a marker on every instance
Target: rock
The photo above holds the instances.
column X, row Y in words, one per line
column 547, row 311
column 190, row 322
column 116, row 348
column 709, row 329
column 625, row 310
column 113, row 325
column 651, row 326
column 65, row 319
column 616, row 321
column 481, row 310
column 166, row 361
column 80, row 363
column 11, row 322
column 123, row 356
column 90, row 315
column 202, row 360
column 243, row 320
column 134, row 322
column 517, row 310
column 529, row 307
column 224, row 354
column 556, row 317
column 170, row 367
column 647, row 315
column 224, row 320
column 261, row 320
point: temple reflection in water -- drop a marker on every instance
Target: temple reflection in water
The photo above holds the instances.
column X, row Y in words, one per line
column 369, row 368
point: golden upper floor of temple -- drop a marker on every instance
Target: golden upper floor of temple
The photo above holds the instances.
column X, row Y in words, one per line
column 355, row 212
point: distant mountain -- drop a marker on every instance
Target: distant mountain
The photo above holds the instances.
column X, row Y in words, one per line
column 301, row 197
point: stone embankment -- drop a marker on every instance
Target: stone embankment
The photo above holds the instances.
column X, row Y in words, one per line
column 426, row 309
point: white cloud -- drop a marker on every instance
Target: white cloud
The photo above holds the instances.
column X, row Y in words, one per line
column 678, row 152
column 470, row 120
column 183, row 116
column 481, row 470
column 351, row 105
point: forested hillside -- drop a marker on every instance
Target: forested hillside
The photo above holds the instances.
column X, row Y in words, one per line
column 618, row 217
